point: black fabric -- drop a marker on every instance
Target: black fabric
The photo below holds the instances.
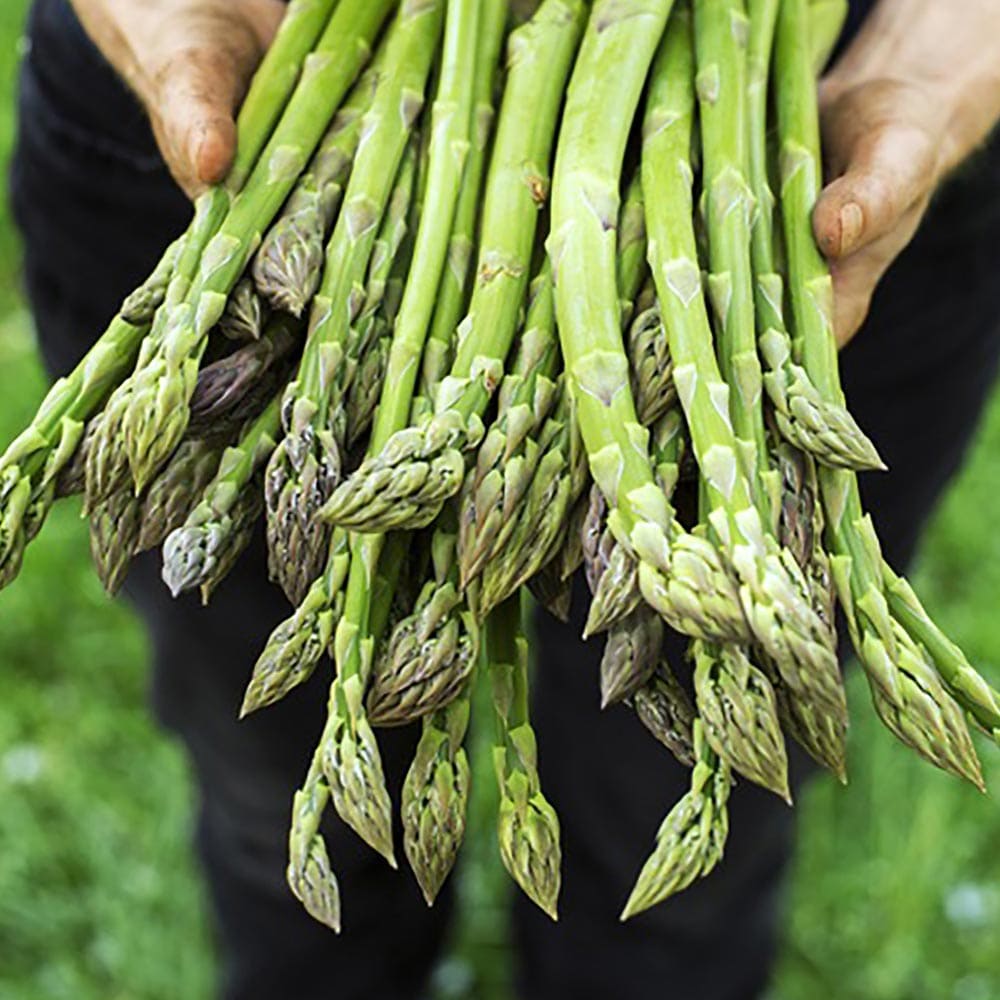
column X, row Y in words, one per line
column 96, row 208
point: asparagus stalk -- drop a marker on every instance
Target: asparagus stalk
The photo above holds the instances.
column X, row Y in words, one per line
column 452, row 297
column 34, row 461
column 822, row 428
column 826, row 21
column 289, row 264
column 245, row 313
column 508, row 455
column 633, row 647
column 428, row 658
column 215, row 532
column 664, row 708
column 158, row 409
column 435, row 796
column 527, row 826
column 631, row 655
column 308, row 463
column 690, row 842
column 350, row 755
column 773, row 590
column 125, row 524
column 114, row 526
column 310, row 874
column 405, row 484
column 582, row 246
column 904, row 678
column 236, row 387
column 436, row 790
column 537, row 528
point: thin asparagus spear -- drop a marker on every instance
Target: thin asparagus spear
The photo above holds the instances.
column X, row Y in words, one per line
column 435, row 796
column 310, row 874
column 349, row 752
column 805, row 419
column 452, row 297
column 508, row 455
column 114, row 530
column 527, row 825
column 436, row 790
column 308, row 463
column 34, row 461
column 690, row 842
column 214, row 532
column 405, row 484
column 289, row 264
column 906, row 689
column 427, row 660
column 157, row 413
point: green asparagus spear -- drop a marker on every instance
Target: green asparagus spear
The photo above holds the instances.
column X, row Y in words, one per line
column 273, row 84
column 308, row 463
column 194, row 553
column 157, row 413
column 527, row 826
column 908, row 693
column 773, row 590
column 289, row 264
column 690, row 842
column 406, row 483
column 350, row 756
column 680, row 575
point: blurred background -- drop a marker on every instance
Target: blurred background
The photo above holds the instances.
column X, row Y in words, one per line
column 895, row 890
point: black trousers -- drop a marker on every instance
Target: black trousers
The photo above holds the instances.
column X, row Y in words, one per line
column 96, row 207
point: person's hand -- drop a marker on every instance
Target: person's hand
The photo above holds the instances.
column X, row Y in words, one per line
column 189, row 62
column 911, row 98
column 884, row 154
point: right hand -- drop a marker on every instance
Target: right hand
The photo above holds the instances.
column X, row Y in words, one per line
column 189, row 62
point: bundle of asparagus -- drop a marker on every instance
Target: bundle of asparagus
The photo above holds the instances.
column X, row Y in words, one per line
column 454, row 328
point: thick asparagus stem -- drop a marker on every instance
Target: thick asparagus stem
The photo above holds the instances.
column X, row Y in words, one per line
column 773, row 590
column 907, row 691
column 599, row 111
column 405, row 484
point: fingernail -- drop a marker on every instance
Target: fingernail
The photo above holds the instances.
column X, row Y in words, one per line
column 852, row 222
column 196, row 142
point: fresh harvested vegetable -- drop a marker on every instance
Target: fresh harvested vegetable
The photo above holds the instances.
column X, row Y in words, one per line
column 424, row 438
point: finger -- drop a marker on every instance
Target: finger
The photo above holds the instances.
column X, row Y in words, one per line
column 891, row 171
column 856, row 277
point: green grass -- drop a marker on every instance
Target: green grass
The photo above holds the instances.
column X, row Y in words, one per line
column 895, row 892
